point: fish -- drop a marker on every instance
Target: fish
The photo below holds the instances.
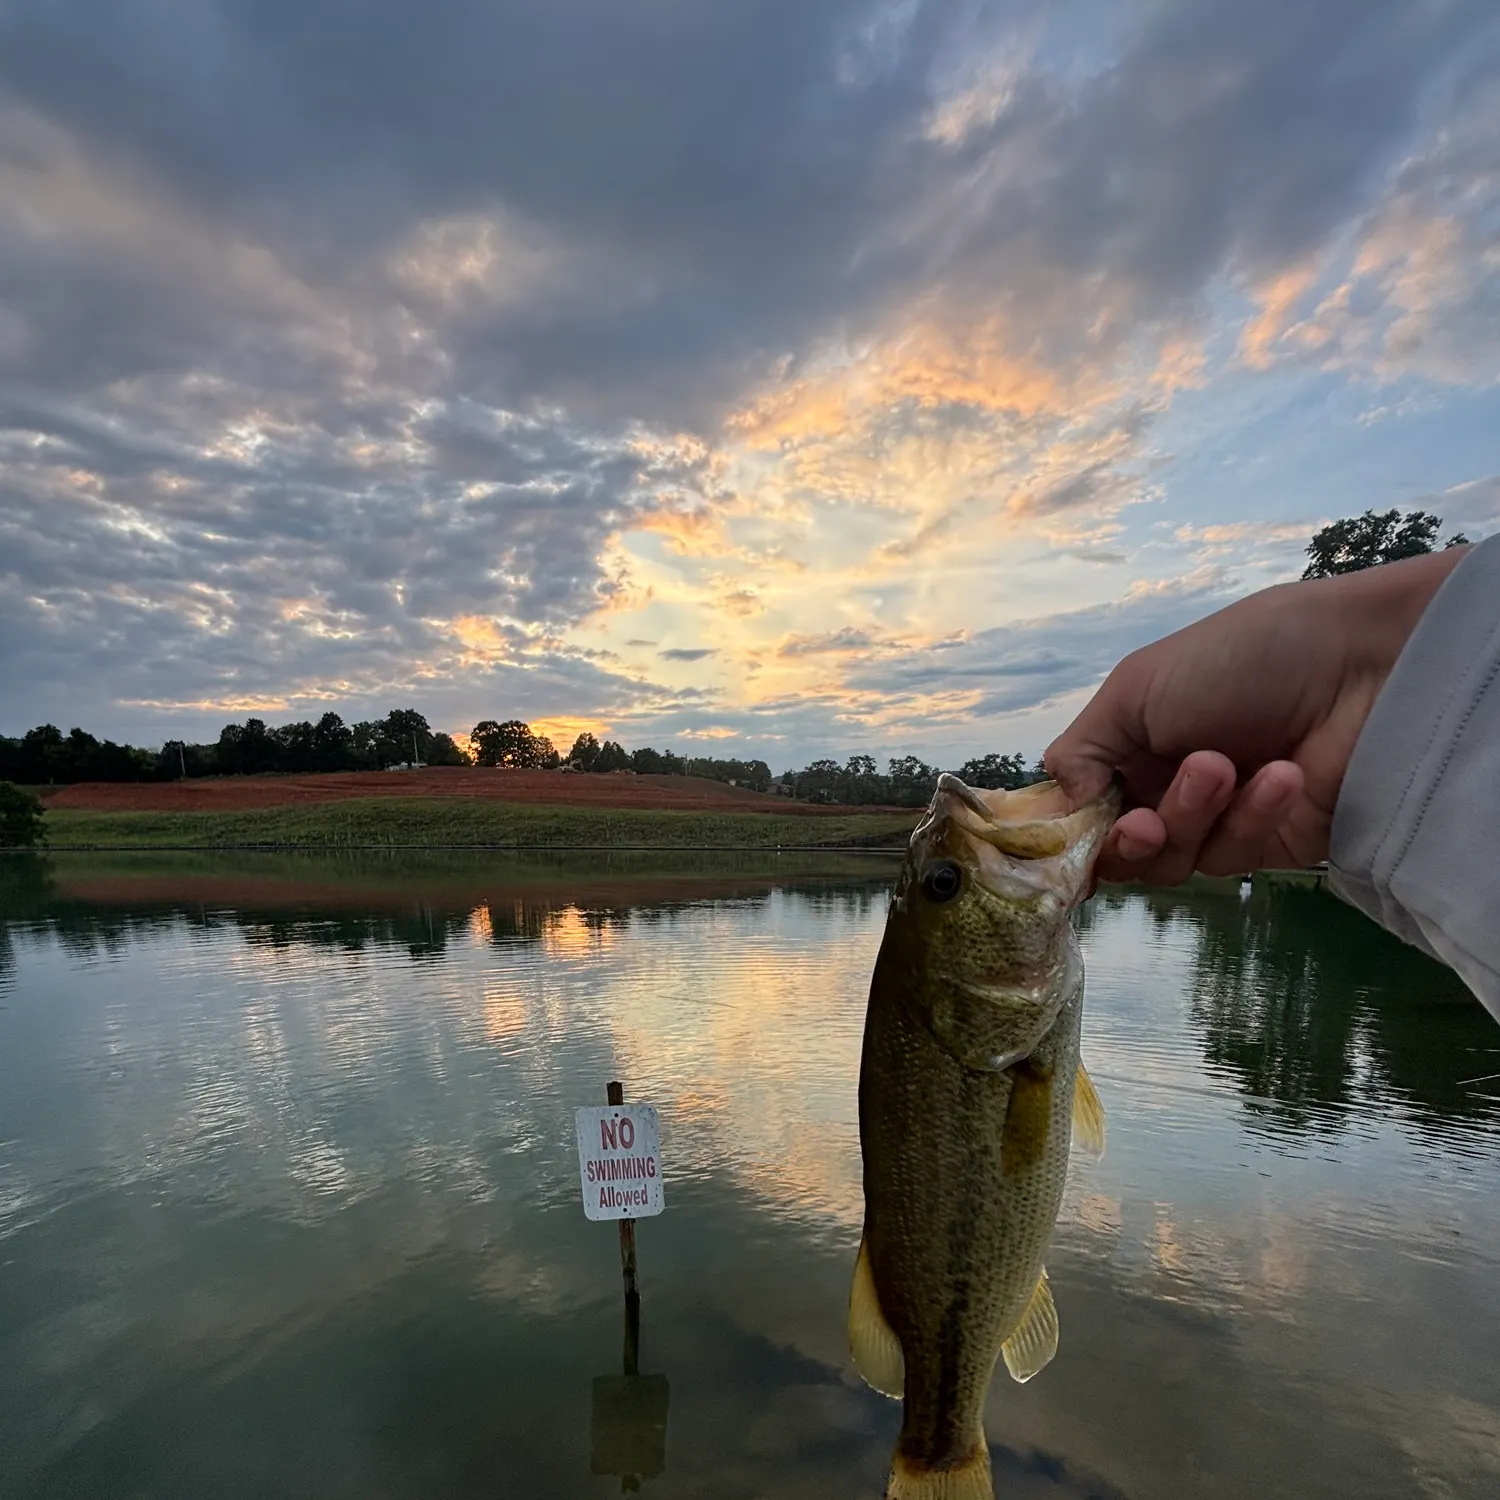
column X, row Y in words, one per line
column 971, row 1094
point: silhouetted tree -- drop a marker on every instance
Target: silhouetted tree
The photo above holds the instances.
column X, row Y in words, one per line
column 20, row 818
column 404, row 735
column 293, row 747
column 995, row 771
column 912, row 781
column 366, row 736
column 444, row 752
column 649, row 762
column 585, row 752
column 611, row 757
column 1358, row 542
column 511, row 744
column 332, row 744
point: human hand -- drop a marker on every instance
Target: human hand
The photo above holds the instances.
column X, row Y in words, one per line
column 1233, row 735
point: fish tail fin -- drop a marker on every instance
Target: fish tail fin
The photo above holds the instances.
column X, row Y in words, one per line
column 968, row 1480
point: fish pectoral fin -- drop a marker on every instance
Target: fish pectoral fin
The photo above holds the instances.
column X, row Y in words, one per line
column 1030, row 1348
column 969, row 1480
column 1088, row 1115
column 872, row 1341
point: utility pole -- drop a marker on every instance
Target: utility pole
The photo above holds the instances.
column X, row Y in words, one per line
column 416, row 760
column 181, row 760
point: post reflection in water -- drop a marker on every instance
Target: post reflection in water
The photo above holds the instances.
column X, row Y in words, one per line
column 628, row 1431
column 289, row 1198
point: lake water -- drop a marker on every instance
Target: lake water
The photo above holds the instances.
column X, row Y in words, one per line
column 289, row 1199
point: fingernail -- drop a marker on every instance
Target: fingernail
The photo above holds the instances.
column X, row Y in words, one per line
column 1131, row 850
column 1195, row 792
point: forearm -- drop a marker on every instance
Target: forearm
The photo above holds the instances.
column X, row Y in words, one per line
column 1416, row 830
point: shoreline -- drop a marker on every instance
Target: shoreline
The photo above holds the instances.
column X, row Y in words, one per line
column 454, row 824
column 380, row 848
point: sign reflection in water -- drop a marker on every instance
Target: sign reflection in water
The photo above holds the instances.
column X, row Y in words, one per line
column 288, row 1191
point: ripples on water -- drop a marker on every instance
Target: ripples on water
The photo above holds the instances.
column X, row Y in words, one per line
column 289, row 1204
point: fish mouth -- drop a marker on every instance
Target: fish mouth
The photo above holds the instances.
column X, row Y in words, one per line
column 1031, row 835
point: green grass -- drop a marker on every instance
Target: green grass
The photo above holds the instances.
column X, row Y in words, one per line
column 419, row 821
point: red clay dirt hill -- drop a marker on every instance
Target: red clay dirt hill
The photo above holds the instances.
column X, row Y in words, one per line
column 572, row 789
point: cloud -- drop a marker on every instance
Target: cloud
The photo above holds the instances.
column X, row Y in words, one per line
column 1472, row 507
column 1028, row 664
column 450, row 370
column 1417, row 288
column 684, row 653
column 850, row 638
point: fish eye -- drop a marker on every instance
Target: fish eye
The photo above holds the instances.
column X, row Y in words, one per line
column 942, row 882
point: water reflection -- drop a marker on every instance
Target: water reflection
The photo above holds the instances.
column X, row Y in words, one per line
column 288, row 1202
column 1312, row 1009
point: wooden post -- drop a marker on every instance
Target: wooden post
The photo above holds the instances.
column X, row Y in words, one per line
column 616, row 1095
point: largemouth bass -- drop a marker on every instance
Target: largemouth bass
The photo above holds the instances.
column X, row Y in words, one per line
column 970, row 1093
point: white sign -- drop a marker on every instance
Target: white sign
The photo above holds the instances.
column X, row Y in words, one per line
column 619, row 1161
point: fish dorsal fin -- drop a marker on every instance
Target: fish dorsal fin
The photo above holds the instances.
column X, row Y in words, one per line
column 872, row 1341
column 1030, row 1348
column 1088, row 1116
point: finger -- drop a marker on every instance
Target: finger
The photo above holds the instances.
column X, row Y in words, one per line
column 1248, row 829
column 1106, row 733
column 1200, row 792
column 1135, row 840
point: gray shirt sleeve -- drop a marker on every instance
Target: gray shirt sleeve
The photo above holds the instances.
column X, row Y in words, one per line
column 1416, row 832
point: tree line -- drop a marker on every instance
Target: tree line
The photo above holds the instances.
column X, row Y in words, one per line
column 46, row 756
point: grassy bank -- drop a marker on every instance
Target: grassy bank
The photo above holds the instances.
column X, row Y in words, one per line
column 399, row 821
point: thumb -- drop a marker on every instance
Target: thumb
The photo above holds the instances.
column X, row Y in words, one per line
column 1082, row 772
column 1086, row 755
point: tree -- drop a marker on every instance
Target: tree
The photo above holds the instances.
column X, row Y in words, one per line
column 584, row 753
column 1358, row 542
column 995, row 771
column 178, row 758
column 332, row 744
column 365, row 737
column 862, row 781
column 257, row 749
column 445, row 752
column 649, row 762
column 294, row 746
column 20, row 818
column 227, row 751
column 912, row 780
column 611, row 757
column 43, row 755
column 404, row 734
column 819, row 782
column 511, row 744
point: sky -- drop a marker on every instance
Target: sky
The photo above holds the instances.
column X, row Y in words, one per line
column 786, row 378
